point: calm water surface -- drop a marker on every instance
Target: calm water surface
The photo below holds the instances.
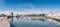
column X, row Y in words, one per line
column 31, row 23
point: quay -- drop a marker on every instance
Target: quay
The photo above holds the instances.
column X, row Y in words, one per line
column 4, row 22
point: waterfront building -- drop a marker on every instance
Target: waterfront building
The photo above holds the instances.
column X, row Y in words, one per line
column 54, row 15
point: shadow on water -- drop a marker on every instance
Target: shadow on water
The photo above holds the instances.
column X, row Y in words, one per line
column 11, row 24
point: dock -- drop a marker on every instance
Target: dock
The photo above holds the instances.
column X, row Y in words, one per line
column 4, row 22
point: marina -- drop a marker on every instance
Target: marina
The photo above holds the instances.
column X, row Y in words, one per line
column 29, row 13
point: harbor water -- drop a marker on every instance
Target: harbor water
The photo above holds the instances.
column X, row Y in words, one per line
column 22, row 22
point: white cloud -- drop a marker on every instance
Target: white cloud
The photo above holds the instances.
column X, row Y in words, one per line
column 31, row 10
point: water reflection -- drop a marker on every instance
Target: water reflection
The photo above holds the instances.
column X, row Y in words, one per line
column 26, row 22
column 51, row 20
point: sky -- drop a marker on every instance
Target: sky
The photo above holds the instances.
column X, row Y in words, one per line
column 29, row 6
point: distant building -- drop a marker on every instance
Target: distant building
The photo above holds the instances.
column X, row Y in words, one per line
column 18, row 16
column 54, row 15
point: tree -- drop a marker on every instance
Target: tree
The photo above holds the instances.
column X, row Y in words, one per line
column 41, row 15
column 3, row 15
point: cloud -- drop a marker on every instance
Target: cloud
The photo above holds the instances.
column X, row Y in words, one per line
column 23, row 8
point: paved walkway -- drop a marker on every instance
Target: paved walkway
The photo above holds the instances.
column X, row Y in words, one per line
column 4, row 22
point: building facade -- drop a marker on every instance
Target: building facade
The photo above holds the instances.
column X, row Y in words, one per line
column 54, row 15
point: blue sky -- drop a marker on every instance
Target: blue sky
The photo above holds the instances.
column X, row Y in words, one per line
column 29, row 6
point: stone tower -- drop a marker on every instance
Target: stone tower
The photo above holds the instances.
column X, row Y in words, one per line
column 11, row 16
